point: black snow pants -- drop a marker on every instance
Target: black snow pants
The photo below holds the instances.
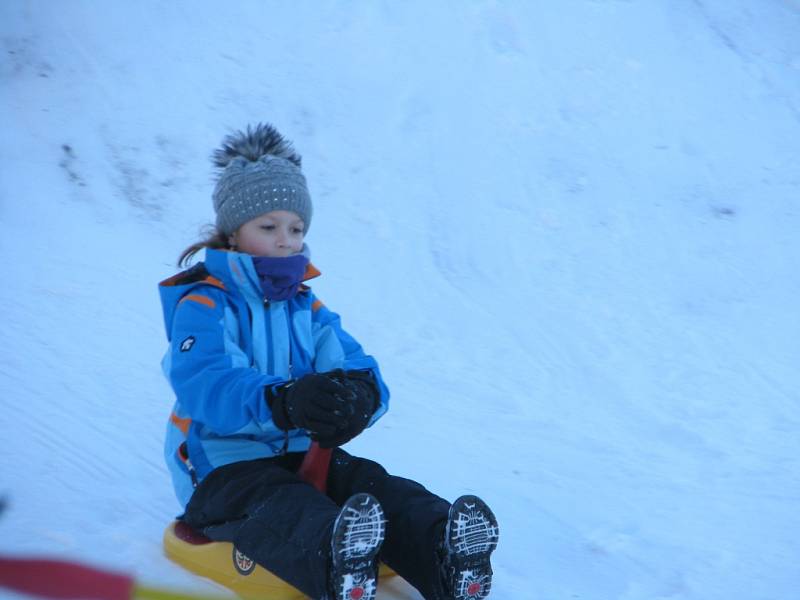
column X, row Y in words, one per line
column 285, row 524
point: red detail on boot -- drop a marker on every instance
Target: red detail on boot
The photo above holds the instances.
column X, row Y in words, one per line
column 474, row 589
column 356, row 593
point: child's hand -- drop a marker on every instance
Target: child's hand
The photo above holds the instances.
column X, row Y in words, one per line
column 313, row 402
column 361, row 399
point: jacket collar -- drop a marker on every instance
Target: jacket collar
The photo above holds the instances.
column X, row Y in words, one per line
column 235, row 270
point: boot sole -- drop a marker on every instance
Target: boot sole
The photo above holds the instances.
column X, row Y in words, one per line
column 358, row 533
column 471, row 536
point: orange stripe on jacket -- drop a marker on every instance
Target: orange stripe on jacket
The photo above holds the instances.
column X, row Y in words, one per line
column 182, row 424
column 185, row 277
column 311, row 272
column 200, row 299
column 317, row 305
column 214, row 281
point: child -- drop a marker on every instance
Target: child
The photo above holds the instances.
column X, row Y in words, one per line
column 260, row 368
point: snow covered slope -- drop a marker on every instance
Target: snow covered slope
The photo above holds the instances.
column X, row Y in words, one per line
column 566, row 229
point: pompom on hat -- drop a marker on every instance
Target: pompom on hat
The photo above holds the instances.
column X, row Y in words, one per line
column 259, row 171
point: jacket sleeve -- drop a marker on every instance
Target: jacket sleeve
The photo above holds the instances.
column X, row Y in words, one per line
column 335, row 348
column 209, row 372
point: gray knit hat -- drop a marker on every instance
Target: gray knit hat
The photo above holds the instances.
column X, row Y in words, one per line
column 259, row 172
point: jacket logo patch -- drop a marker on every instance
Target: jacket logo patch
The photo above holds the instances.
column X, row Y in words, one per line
column 187, row 344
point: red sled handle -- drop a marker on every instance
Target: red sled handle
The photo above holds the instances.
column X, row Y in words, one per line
column 314, row 468
column 52, row 578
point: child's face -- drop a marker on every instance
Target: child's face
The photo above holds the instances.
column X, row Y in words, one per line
column 275, row 234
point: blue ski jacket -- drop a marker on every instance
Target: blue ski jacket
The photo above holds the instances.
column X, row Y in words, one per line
column 226, row 345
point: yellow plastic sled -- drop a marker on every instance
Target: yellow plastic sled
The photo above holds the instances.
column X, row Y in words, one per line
column 221, row 562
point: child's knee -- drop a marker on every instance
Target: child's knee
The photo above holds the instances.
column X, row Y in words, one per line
column 351, row 474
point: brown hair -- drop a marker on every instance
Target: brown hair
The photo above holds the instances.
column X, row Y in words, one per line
column 212, row 238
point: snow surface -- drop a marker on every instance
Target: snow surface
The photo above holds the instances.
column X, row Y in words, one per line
column 567, row 229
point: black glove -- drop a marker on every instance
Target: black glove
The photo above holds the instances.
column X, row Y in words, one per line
column 313, row 402
column 361, row 399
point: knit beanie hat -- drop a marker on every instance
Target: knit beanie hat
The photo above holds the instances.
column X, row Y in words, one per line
column 259, row 172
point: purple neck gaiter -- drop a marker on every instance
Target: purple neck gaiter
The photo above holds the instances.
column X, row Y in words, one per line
column 280, row 277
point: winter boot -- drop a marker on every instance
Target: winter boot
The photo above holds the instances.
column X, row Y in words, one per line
column 358, row 533
column 470, row 537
